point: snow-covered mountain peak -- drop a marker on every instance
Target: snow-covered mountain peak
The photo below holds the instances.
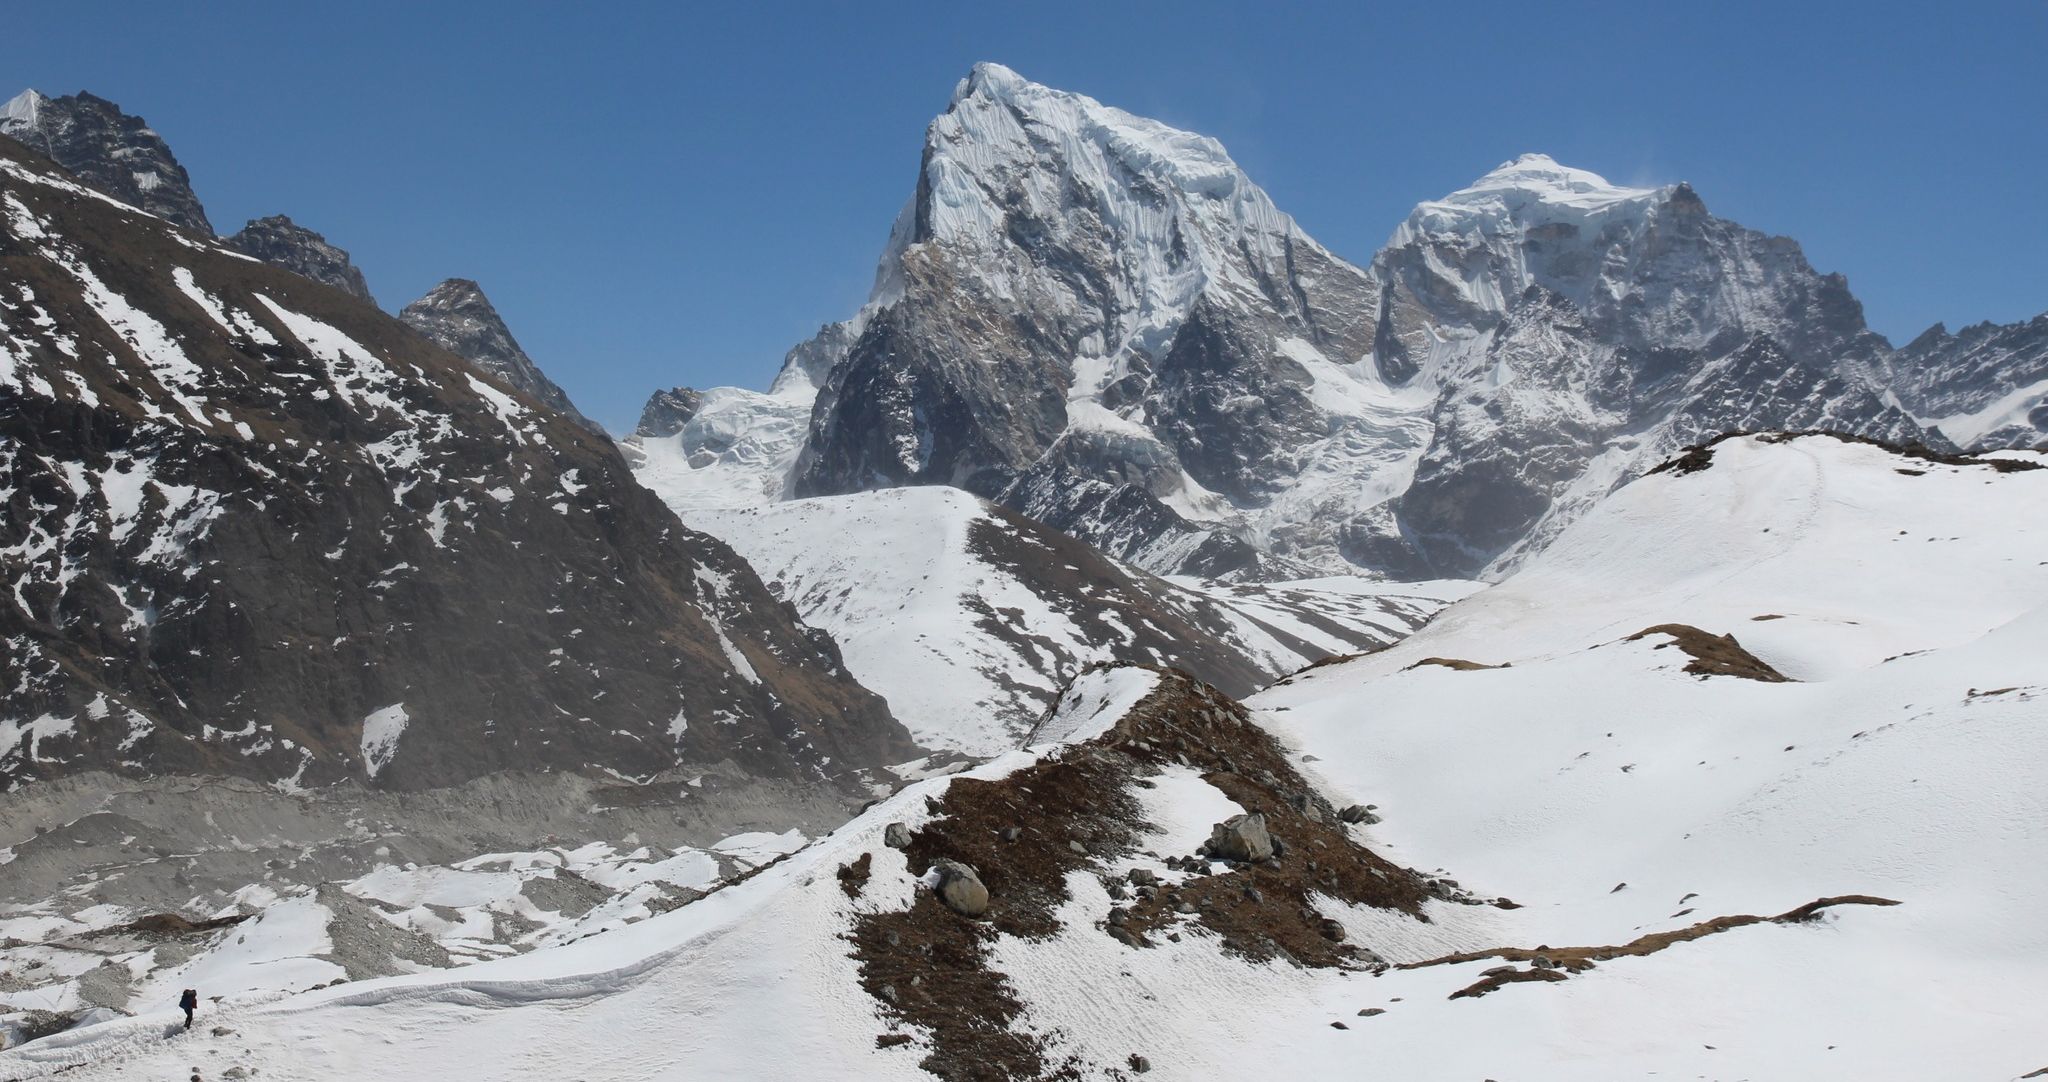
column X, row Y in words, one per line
column 1544, row 174
column 1143, row 278
column 23, row 108
column 1147, row 145
column 990, row 78
column 1007, row 147
column 1529, row 191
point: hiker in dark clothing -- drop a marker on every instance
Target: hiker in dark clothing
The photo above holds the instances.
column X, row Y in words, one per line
column 189, row 1002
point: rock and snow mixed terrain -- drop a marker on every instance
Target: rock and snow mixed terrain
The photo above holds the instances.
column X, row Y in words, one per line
column 1570, row 827
column 302, row 609
column 107, row 150
column 1103, row 323
column 969, row 618
column 256, row 527
column 119, row 155
column 456, row 316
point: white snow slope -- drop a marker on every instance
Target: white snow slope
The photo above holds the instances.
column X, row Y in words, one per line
column 1903, row 760
column 1909, row 603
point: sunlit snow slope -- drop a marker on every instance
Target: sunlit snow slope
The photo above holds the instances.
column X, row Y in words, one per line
column 1907, row 603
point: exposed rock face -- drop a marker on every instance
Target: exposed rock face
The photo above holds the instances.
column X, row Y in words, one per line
column 1077, row 290
column 107, row 150
column 1101, row 322
column 254, row 527
column 457, row 316
column 668, row 411
column 1574, row 333
column 1985, row 387
column 282, row 242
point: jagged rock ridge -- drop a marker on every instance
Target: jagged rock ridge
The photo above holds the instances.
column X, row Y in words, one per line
column 1985, row 386
column 281, row 242
column 118, row 154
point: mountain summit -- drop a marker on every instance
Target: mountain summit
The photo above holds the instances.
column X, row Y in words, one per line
column 456, row 316
column 109, row 150
column 1160, row 322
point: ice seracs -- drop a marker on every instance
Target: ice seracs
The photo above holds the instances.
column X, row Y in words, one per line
column 1532, row 189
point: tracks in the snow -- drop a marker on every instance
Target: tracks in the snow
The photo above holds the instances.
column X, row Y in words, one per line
column 1556, row 963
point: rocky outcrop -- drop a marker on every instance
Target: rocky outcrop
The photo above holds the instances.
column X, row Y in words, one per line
column 279, row 241
column 255, row 527
column 107, row 150
column 456, row 316
column 668, row 411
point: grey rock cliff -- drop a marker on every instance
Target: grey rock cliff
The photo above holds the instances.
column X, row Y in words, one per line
column 108, row 150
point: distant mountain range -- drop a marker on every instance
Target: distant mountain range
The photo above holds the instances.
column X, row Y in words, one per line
column 1102, row 322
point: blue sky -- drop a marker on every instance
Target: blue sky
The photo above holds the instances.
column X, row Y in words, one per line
column 666, row 194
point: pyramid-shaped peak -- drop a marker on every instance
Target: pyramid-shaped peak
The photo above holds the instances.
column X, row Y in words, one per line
column 24, row 108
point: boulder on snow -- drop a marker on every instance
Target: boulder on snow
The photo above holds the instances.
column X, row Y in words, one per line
column 960, row 887
column 896, row 836
column 1241, row 837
